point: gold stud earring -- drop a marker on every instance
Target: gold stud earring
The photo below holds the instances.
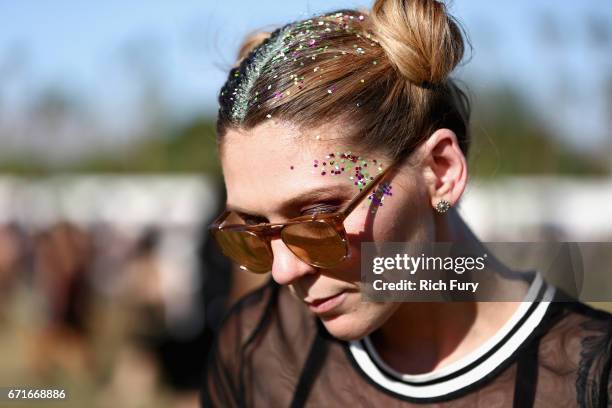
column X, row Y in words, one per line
column 442, row 206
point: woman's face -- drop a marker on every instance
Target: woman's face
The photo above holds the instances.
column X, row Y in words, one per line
column 269, row 176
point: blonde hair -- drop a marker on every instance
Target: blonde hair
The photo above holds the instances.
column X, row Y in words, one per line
column 385, row 72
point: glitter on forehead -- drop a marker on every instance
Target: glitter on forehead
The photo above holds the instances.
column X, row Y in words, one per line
column 358, row 170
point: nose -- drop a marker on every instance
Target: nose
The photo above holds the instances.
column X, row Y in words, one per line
column 286, row 267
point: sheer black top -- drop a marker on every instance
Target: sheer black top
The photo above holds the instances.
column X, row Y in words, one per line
column 273, row 352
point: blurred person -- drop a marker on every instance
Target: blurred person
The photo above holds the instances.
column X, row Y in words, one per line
column 136, row 370
column 63, row 257
column 159, row 356
column 12, row 262
column 372, row 89
column 179, row 358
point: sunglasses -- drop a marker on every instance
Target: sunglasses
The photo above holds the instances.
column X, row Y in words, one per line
column 317, row 239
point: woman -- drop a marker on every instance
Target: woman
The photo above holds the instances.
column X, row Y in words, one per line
column 320, row 123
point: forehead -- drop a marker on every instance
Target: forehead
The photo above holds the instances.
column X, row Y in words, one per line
column 273, row 162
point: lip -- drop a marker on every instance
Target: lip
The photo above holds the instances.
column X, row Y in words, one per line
column 325, row 305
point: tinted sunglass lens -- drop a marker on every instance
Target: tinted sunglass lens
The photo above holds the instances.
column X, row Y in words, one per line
column 246, row 249
column 317, row 243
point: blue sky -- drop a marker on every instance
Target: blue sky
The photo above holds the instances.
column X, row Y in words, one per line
column 542, row 47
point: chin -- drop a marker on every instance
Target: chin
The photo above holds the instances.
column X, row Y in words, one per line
column 354, row 325
column 344, row 328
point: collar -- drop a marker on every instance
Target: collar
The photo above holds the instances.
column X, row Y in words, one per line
column 469, row 370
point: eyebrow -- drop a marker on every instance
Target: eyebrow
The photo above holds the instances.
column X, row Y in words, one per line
column 338, row 192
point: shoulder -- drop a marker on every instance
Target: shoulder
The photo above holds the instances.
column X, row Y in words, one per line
column 573, row 325
column 579, row 342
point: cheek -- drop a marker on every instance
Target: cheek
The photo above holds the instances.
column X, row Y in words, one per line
column 357, row 231
column 404, row 217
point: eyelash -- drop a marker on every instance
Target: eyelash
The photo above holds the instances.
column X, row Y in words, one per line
column 321, row 208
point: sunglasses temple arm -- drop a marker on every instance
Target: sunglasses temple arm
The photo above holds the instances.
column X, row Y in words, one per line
column 219, row 220
column 355, row 201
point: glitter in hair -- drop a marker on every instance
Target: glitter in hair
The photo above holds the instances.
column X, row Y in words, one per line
column 287, row 47
column 263, row 55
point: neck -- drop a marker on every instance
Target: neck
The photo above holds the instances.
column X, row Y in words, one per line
column 422, row 337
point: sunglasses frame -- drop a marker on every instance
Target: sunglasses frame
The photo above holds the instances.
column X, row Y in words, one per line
column 268, row 231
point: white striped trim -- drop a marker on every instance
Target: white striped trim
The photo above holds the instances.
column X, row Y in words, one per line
column 365, row 362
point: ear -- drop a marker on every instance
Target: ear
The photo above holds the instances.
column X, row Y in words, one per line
column 444, row 167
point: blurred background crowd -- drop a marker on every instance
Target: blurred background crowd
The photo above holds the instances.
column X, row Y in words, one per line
column 109, row 284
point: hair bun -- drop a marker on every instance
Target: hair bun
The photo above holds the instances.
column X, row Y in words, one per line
column 420, row 39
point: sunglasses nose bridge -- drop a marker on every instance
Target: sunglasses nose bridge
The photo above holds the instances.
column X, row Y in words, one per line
column 271, row 232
